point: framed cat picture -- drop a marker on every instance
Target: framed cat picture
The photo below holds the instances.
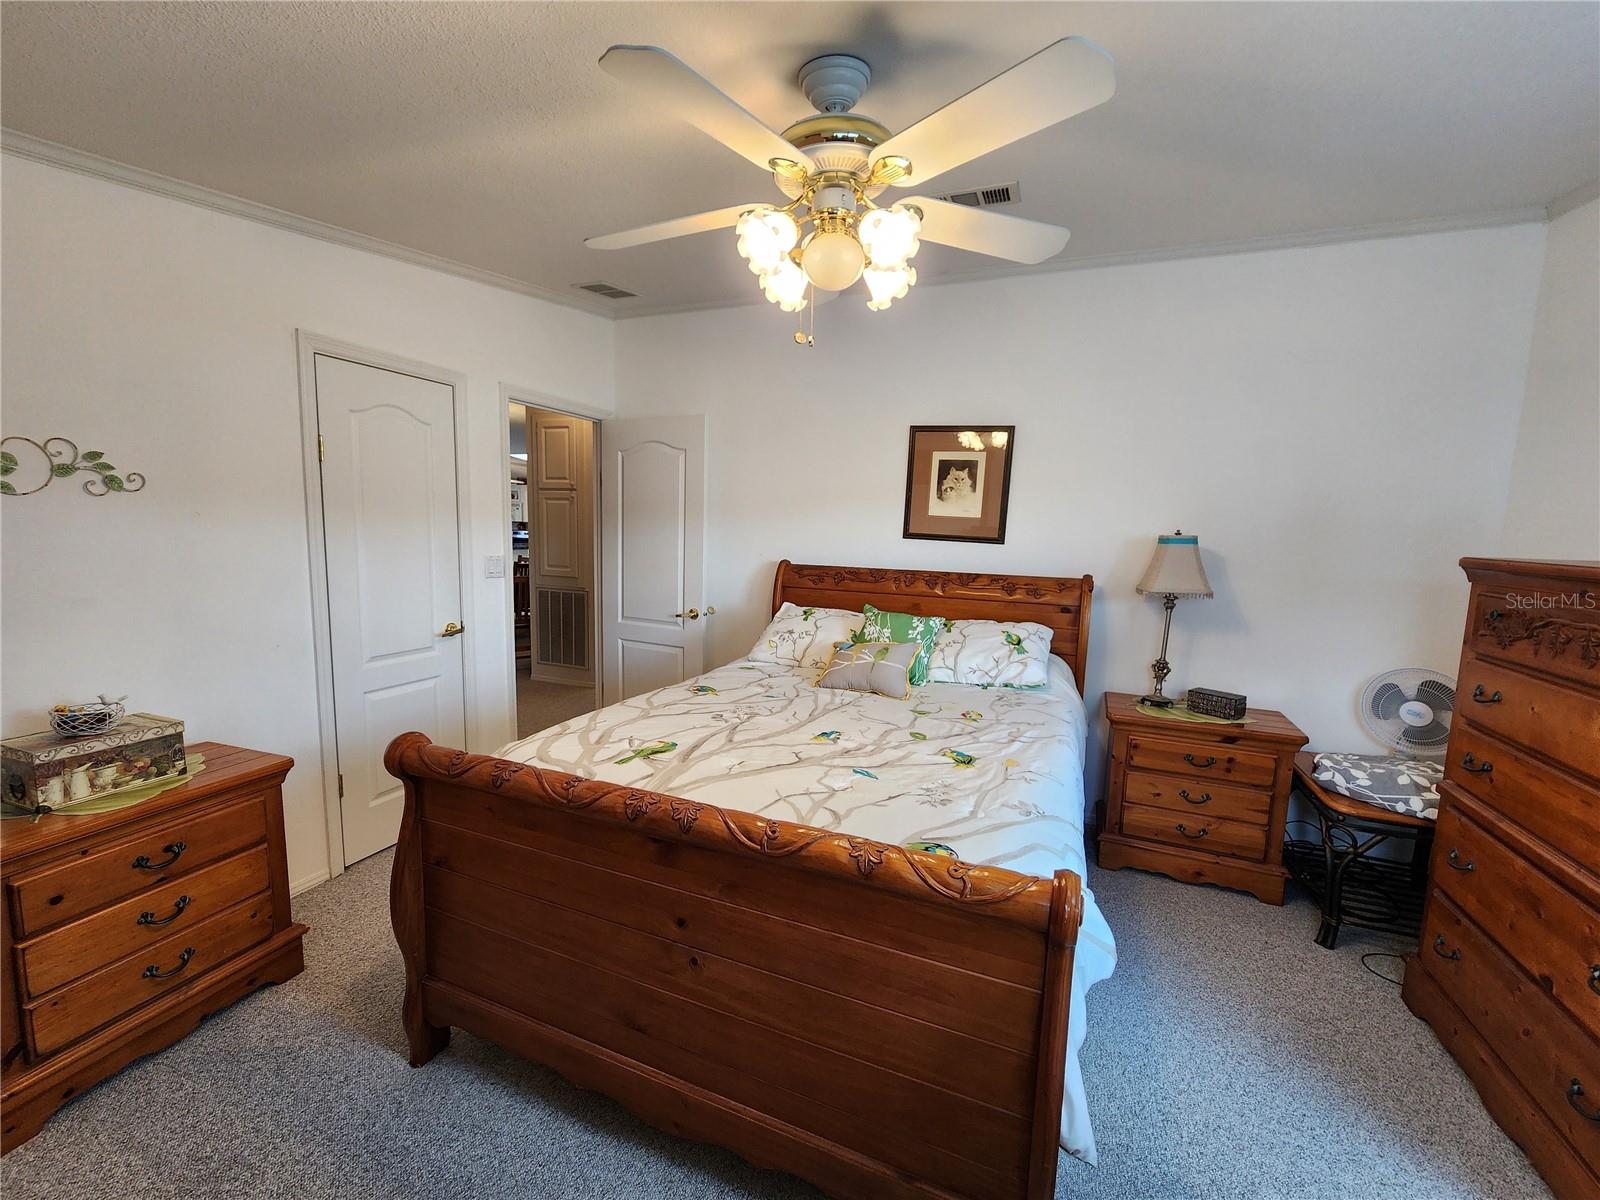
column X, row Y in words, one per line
column 958, row 482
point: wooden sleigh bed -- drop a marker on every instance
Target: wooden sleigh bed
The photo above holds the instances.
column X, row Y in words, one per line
column 881, row 1022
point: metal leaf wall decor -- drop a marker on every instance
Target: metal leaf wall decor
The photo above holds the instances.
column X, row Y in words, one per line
column 58, row 458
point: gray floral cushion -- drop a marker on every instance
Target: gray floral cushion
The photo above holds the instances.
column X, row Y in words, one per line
column 882, row 667
column 1402, row 785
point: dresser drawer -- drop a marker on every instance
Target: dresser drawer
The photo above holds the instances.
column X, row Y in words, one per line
column 55, row 894
column 1539, row 1043
column 1194, row 796
column 1559, row 721
column 1192, row 830
column 1202, row 760
column 172, row 962
column 69, row 951
column 1546, row 625
column 1553, row 806
column 1550, row 932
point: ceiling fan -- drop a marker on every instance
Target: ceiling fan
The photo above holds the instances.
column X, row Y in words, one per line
column 834, row 166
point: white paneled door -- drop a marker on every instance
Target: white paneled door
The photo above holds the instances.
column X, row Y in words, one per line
column 394, row 583
column 652, row 498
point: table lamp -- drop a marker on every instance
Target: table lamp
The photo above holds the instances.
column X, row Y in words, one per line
column 1175, row 573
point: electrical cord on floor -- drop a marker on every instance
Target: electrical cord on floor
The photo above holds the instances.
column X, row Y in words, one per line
column 1381, row 954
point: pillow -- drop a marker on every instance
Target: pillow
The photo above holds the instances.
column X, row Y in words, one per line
column 804, row 637
column 1402, row 785
column 881, row 667
column 992, row 653
column 880, row 626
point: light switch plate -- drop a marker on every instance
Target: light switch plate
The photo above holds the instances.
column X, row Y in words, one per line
column 494, row 566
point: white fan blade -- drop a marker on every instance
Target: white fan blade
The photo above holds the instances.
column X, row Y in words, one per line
column 667, row 83
column 990, row 233
column 721, row 218
column 1062, row 80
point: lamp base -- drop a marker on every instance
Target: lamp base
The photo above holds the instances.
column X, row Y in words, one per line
column 1157, row 701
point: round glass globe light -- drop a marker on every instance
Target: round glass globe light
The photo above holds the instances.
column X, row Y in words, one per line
column 833, row 260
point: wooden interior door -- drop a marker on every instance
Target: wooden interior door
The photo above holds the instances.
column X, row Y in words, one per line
column 394, row 582
column 652, row 502
column 561, row 546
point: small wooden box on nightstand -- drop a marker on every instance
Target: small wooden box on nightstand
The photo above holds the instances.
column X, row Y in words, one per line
column 1200, row 802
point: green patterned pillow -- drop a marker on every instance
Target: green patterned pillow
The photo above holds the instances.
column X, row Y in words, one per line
column 880, row 626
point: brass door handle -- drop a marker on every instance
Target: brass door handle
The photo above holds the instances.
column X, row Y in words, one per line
column 452, row 629
column 693, row 614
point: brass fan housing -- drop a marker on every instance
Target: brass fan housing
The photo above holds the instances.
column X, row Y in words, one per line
column 832, row 142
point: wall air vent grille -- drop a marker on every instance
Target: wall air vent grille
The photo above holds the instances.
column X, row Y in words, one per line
column 987, row 197
column 608, row 290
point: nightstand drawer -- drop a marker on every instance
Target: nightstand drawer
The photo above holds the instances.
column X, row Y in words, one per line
column 1207, row 798
column 1213, row 835
column 1201, row 759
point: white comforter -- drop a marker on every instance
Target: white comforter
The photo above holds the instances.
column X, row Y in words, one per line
column 994, row 773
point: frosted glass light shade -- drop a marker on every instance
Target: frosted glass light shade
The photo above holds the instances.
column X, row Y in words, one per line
column 785, row 286
column 833, row 260
column 890, row 235
column 888, row 286
column 765, row 238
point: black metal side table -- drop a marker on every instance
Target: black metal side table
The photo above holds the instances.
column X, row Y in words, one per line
column 1352, row 886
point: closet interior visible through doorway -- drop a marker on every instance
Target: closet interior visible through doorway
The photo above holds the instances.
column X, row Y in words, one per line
column 552, row 480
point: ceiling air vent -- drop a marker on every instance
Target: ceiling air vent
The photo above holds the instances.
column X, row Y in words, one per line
column 608, row 290
column 988, row 197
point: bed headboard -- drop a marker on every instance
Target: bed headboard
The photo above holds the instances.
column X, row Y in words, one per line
column 1062, row 603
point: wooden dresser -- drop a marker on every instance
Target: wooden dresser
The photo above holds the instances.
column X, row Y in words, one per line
column 123, row 930
column 1508, row 969
column 1202, row 803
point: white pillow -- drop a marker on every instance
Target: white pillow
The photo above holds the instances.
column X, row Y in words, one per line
column 994, row 653
column 804, row 637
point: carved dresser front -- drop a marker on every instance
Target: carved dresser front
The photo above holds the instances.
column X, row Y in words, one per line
column 1508, row 970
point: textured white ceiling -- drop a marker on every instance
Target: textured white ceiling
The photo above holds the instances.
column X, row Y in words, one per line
column 484, row 133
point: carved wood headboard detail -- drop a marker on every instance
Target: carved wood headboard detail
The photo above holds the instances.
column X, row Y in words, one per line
column 1062, row 603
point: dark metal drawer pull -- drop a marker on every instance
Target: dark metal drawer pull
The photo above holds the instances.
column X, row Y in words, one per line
column 149, row 918
column 1438, row 948
column 1205, row 797
column 143, row 863
column 1211, row 761
column 1574, row 1090
column 1594, row 979
column 1479, row 697
column 1453, row 859
column 155, row 972
column 1467, row 764
column 1184, row 829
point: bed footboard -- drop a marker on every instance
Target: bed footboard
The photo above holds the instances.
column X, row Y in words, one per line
column 881, row 1022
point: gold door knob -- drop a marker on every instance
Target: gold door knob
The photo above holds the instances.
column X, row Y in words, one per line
column 452, row 629
column 693, row 614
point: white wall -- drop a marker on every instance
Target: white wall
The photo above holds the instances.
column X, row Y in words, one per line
column 164, row 335
column 1336, row 424
column 1554, row 506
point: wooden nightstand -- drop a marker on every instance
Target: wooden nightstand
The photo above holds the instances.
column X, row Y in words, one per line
column 1202, row 803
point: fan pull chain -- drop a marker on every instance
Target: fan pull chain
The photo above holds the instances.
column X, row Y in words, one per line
column 801, row 337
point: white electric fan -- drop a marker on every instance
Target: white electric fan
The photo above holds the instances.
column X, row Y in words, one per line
column 1409, row 711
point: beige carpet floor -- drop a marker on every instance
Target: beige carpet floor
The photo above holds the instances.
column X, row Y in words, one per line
column 1228, row 1058
column 541, row 705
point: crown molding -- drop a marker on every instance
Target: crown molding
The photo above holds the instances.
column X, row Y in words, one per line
column 25, row 145
column 1576, row 198
column 53, row 153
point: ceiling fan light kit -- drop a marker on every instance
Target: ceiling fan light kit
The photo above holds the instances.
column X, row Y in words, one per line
column 834, row 166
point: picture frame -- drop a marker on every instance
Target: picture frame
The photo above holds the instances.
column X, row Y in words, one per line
column 958, row 482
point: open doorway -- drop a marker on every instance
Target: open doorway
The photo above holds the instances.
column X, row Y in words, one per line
column 552, row 477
